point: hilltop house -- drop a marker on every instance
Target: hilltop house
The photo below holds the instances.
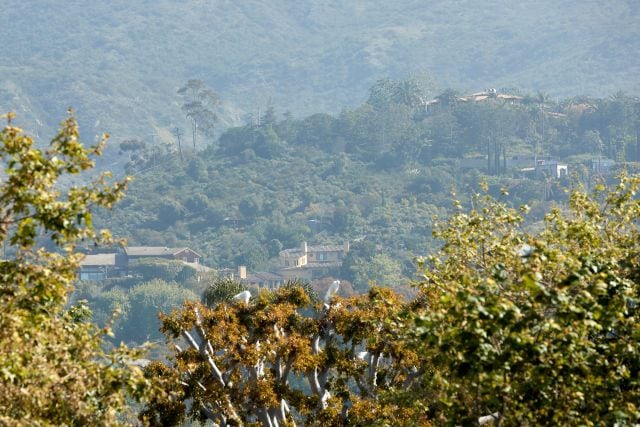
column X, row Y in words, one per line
column 261, row 279
column 310, row 262
column 304, row 263
column 531, row 166
column 549, row 168
column 181, row 254
column 486, row 95
column 100, row 266
column 97, row 267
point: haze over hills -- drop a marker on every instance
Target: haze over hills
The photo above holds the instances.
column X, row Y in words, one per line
column 119, row 63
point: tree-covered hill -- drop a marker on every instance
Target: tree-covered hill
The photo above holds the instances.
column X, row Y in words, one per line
column 119, row 63
column 375, row 175
column 509, row 326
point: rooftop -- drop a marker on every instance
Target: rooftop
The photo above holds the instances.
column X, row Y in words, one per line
column 311, row 265
column 320, row 248
column 150, row 250
column 98, row 260
column 262, row 276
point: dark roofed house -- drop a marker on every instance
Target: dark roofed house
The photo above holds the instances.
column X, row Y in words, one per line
column 181, row 254
column 98, row 267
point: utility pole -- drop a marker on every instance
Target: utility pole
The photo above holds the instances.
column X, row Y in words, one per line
column 178, row 134
column 542, row 136
column 194, row 132
column 153, row 147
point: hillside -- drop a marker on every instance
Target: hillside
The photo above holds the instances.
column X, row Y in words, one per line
column 119, row 63
column 376, row 174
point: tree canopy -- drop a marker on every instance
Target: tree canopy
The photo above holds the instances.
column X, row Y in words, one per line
column 509, row 325
column 53, row 370
column 540, row 328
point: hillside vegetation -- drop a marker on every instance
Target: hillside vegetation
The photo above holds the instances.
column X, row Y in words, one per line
column 508, row 325
column 376, row 175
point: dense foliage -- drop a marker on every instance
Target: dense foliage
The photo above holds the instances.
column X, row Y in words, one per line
column 154, row 285
column 285, row 357
column 514, row 321
column 375, row 175
column 519, row 327
column 539, row 327
column 52, row 368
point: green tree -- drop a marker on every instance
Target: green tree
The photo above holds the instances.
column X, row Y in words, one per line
column 157, row 268
column 221, row 290
column 170, row 211
column 52, row 368
column 540, row 328
column 147, row 300
column 379, row 270
column 132, row 145
column 199, row 106
column 400, row 92
column 593, row 141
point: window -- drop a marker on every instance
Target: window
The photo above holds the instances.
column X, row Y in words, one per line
column 92, row 276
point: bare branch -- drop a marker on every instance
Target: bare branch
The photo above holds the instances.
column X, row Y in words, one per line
column 486, row 419
column 203, row 351
column 287, row 368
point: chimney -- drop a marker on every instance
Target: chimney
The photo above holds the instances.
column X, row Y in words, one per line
column 304, row 248
column 346, row 246
column 242, row 272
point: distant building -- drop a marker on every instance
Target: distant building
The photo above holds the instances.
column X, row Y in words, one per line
column 101, row 266
column 181, row 254
column 524, row 163
column 311, row 262
column 602, row 166
column 486, row 95
column 551, row 168
column 580, row 108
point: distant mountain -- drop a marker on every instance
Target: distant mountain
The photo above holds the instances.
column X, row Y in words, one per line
column 119, row 63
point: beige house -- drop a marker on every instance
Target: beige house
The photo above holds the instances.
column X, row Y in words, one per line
column 259, row 279
column 310, row 262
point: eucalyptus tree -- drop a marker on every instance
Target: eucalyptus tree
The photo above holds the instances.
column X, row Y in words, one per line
column 284, row 358
column 199, row 105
